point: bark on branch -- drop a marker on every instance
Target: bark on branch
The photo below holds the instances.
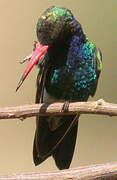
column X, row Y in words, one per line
column 91, row 107
column 106, row 171
column 93, row 172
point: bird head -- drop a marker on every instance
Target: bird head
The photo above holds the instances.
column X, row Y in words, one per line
column 53, row 25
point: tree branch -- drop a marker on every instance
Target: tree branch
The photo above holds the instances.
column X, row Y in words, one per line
column 106, row 171
column 92, row 107
column 92, row 172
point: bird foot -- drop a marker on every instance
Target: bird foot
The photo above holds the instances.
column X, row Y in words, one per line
column 65, row 106
column 27, row 58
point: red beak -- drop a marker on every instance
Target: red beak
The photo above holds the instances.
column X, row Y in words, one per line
column 39, row 51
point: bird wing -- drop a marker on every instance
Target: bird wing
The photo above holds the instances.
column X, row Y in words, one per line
column 97, row 61
column 43, row 68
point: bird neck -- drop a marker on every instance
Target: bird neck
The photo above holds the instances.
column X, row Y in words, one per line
column 58, row 51
column 74, row 29
column 60, row 47
column 77, row 30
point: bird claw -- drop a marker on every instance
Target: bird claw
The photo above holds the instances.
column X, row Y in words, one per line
column 65, row 106
column 27, row 58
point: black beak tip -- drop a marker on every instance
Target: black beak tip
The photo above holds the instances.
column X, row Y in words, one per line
column 19, row 84
column 17, row 89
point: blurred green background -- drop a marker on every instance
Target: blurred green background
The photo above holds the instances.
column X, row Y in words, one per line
column 97, row 137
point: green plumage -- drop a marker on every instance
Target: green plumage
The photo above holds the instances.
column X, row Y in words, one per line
column 75, row 77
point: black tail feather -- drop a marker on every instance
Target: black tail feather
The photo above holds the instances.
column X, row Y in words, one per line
column 64, row 152
column 45, row 141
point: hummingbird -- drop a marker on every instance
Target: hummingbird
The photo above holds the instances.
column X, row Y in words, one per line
column 69, row 68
